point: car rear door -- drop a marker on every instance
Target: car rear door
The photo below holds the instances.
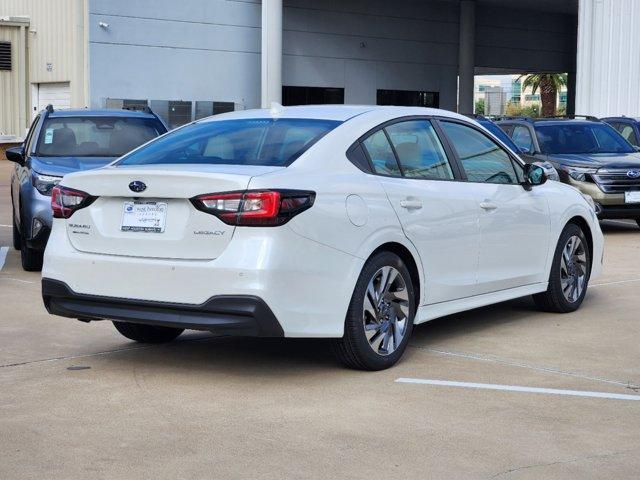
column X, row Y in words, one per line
column 514, row 222
column 438, row 213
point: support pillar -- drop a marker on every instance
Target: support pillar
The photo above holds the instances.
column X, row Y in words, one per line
column 271, row 52
column 571, row 94
column 466, row 56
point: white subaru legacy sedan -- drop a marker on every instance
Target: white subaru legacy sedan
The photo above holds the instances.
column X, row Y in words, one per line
column 353, row 223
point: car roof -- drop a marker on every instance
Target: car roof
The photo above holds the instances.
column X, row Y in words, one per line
column 83, row 112
column 548, row 121
column 331, row 112
column 628, row 119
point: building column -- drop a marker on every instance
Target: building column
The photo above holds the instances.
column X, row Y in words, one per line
column 466, row 56
column 571, row 93
column 271, row 52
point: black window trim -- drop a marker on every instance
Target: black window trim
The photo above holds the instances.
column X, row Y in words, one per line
column 453, row 163
column 516, row 162
column 31, row 136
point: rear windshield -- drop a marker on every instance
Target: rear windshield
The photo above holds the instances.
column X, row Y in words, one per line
column 95, row 136
column 581, row 138
column 267, row 142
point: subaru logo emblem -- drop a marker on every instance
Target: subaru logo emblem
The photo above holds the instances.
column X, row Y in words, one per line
column 633, row 173
column 137, row 186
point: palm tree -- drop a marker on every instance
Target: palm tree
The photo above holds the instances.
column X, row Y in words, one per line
column 549, row 84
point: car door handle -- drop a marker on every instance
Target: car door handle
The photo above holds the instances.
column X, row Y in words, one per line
column 411, row 204
column 488, row 205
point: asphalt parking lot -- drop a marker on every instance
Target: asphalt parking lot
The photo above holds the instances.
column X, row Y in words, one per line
column 80, row 401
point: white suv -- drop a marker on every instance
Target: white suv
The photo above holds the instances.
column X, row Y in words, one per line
column 332, row 221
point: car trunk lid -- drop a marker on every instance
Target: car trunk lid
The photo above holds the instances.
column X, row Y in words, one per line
column 158, row 220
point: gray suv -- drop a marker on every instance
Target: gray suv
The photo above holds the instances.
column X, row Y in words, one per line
column 61, row 142
column 589, row 155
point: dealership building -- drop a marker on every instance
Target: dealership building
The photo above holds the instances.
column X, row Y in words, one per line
column 191, row 59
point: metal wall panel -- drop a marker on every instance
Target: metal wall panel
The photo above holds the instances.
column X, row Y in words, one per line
column 13, row 85
column 57, row 42
column 608, row 74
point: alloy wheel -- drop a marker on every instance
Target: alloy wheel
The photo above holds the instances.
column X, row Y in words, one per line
column 385, row 315
column 573, row 269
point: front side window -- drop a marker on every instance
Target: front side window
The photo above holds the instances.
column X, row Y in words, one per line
column 589, row 137
column 482, row 159
column 521, row 136
column 381, row 154
column 95, row 136
column 260, row 141
column 419, row 150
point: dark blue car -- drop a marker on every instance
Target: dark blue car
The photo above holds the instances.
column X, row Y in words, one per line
column 61, row 142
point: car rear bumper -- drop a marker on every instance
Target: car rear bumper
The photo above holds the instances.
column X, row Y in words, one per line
column 307, row 285
column 239, row 315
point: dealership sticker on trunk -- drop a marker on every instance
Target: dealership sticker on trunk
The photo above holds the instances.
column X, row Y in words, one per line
column 632, row 197
column 144, row 217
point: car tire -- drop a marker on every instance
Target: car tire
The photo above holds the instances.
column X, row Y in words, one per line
column 147, row 333
column 17, row 241
column 570, row 271
column 31, row 258
column 378, row 327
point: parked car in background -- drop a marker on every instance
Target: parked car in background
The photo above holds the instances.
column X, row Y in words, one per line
column 60, row 142
column 628, row 127
column 549, row 169
column 352, row 223
column 588, row 154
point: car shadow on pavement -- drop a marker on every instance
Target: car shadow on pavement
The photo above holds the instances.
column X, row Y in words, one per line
column 236, row 356
column 291, row 357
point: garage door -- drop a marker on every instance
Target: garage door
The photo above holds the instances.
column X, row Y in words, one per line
column 56, row 94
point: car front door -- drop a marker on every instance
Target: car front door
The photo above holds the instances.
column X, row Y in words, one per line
column 22, row 174
column 438, row 213
column 514, row 222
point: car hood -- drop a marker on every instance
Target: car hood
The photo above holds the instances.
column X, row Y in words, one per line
column 598, row 160
column 60, row 166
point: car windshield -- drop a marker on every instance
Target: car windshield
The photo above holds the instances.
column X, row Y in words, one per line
column 267, row 142
column 95, row 136
column 581, row 138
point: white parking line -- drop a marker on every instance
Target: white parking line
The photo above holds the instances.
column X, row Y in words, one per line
column 6, row 226
column 514, row 388
column 3, row 255
column 17, row 280
column 616, row 282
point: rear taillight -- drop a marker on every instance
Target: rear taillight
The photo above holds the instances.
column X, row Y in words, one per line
column 255, row 208
column 65, row 201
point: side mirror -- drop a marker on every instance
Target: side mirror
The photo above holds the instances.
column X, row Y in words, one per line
column 534, row 175
column 15, row 154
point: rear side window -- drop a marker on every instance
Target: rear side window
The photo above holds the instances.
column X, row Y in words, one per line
column 521, row 136
column 95, row 136
column 419, row 150
column 627, row 132
column 482, row 159
column 262, row 141
column 381, row 154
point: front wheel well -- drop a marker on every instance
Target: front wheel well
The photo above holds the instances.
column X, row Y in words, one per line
column 407, row 257
column 584, row 226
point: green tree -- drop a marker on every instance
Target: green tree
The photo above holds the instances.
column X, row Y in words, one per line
column 549, row 84
column 479, row 109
